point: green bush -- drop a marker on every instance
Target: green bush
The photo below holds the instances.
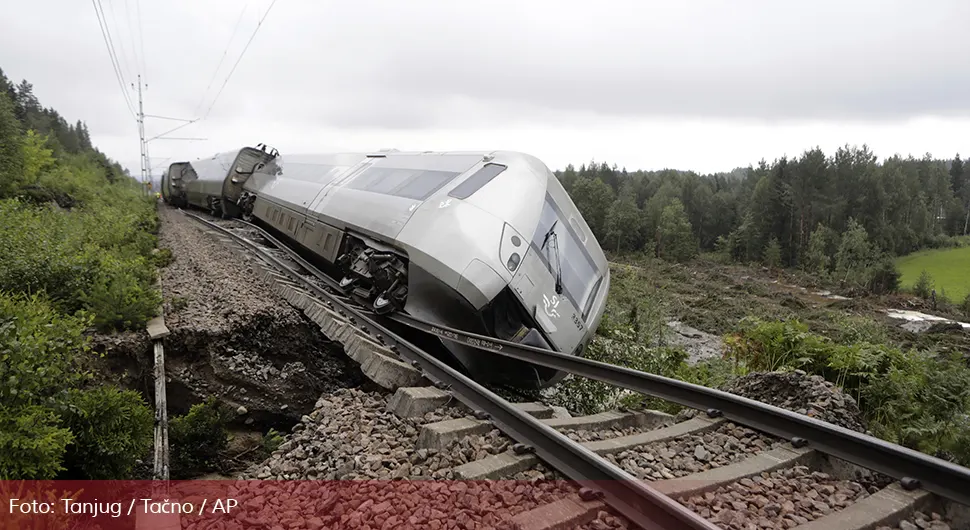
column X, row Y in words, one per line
column 163, row 258
column 620, row 347
column 924, row 285
column 32, row 443
column 197, row 439
column 912, row 398
column 112, row 428
column 98, row 259
column 884, row 277
column 39, row 350
column 272, row 441
column 121, row 296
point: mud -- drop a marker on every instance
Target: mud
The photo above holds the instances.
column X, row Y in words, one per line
column 233, row 338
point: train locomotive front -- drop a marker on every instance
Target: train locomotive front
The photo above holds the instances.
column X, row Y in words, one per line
column 487, row 243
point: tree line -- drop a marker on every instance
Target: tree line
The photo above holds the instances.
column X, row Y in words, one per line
column 813, row 211
column 24, row 121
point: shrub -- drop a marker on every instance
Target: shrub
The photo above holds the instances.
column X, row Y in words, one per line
column 197, row 439
column 272, row 441
column 163, row 258
column 912, row 398
column 112, row 428
column 924, row 285
column 884, row 277
column 121, row 296
column 773, row 254
column 39, row 350
column 622, row 348
column 965, row 306
column 32, row 443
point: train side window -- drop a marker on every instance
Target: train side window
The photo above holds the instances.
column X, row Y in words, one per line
column 478, row 179
column 416, row 184
column 425, row 183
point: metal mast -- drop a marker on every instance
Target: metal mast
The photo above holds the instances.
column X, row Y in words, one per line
column 145, row 170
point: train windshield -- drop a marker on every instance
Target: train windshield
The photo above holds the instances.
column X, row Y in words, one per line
column 573, row 264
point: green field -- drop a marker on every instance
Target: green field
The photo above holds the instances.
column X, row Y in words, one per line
column 950, row 269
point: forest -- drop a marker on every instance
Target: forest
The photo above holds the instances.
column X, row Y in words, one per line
column 76, row 259
column 846, row 212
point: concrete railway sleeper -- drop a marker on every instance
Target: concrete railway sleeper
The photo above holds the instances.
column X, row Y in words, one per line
column 727, row 469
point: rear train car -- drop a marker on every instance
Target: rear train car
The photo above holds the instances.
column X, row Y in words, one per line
column 216, row 184
column 173, row 184
column 486, row 242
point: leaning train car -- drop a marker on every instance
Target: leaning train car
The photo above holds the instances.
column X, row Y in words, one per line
column 165, row 188
column 216, row 184
column 488, row 243
column 173, row 184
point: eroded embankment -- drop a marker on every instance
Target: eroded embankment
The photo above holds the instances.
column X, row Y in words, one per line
column 233, row 338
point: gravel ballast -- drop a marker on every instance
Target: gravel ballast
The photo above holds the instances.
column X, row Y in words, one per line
column 799, row 392
column 782, row 499
column 693, row 453
column 920, row 521
column 233, row 337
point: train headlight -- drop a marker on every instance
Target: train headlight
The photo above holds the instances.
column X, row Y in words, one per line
column 513, row 248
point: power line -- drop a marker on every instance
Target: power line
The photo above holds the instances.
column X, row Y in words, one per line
column 111, row 56
column 131, row 35
column 141, row 39
column 166, row 118
column 259, row 25
column 190, row 122
column 121, row 41
column 225, row 52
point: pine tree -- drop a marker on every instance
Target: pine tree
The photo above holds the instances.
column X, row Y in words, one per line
column 675, row 235
column 11, row 154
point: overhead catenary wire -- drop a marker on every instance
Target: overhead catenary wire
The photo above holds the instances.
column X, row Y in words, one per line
column 111, row 55
column 141, row 41
column 225, row 52
column 253, row 36
column 125, row 62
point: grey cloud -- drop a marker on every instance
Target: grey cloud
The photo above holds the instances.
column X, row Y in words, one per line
column 426, row 64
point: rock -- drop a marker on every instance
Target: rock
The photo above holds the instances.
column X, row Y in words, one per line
column 241, row 410
column 799, row 392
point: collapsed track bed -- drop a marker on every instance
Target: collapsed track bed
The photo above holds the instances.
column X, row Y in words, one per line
column 718, row 472
column 232, row 337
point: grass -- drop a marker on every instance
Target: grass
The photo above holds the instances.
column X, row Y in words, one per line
column 948, row 268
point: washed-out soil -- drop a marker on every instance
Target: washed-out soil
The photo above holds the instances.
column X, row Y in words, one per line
column 230, row 337
column 233, row 338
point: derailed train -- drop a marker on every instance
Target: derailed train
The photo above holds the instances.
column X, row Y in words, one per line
column 485, row 242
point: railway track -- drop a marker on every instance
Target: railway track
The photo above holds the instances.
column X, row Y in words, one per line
column 736, row 464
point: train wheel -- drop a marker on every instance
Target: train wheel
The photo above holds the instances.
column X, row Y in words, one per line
column 383, row 306
column 347, row 284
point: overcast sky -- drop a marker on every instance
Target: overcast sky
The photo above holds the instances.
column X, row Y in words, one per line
column 702, row 85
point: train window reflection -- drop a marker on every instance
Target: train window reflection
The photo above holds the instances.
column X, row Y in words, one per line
column 579, row 272
column 416, row 184
column 476, row 181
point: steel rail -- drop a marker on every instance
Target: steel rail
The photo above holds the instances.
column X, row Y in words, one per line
column 635, row 500
column 913, row 468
